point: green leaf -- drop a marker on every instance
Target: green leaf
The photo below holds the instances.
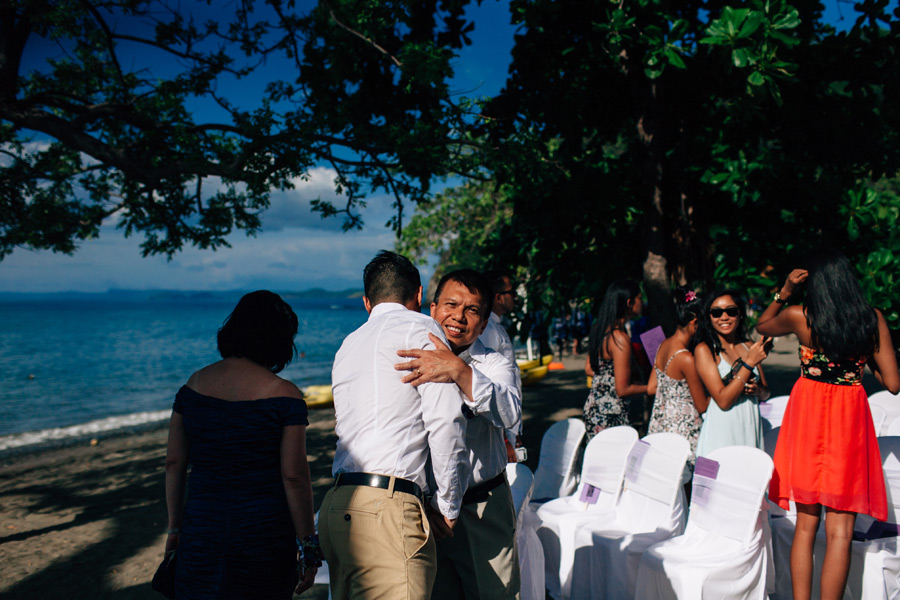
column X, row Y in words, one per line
column 756, row 78
column 674, row 58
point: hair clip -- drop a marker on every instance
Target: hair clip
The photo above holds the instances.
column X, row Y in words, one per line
column 690, row 296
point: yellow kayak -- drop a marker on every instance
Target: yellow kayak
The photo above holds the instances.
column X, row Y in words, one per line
column 534, row 375
column 318, row 396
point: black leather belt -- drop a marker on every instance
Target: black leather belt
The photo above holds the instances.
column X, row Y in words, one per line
column 379, row 481
column 479, row 493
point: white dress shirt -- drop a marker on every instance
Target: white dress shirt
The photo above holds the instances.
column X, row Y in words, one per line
column 389, row 427
column 495, row 337
column 497, row 407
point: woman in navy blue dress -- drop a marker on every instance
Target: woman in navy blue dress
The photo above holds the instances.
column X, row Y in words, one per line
column 242, row 430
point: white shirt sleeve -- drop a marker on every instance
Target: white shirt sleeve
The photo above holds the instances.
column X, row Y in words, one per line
column 446, row 427
column 495, row 389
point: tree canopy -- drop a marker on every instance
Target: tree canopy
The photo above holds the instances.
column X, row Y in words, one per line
column 99, row 112
column 677, row 141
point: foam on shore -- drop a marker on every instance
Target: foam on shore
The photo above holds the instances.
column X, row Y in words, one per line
column 62, row 435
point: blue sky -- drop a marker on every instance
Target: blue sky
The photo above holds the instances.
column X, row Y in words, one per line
column 296, row 249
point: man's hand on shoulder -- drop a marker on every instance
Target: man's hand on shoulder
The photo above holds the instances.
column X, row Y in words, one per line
column 440, row 365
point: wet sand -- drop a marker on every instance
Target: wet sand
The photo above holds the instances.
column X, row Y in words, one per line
column 88, row 521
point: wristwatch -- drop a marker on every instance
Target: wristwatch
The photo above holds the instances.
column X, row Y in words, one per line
column 779, row 299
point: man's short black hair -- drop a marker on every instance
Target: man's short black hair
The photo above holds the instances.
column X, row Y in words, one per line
column 474, row 282
column 261, row 328
column 497, row 279
column 390, row 277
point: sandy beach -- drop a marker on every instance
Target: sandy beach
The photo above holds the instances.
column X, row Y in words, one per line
column 88, row 521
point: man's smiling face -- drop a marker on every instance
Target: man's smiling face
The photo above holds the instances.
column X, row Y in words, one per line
column 460, row 314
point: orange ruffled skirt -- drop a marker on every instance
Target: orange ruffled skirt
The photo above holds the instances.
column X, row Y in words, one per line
column 827, row 451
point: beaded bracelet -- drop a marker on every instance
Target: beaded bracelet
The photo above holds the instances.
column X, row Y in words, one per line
column 310, row 552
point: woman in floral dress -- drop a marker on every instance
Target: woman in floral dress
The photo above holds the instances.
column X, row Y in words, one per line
column 680, row 395
column 609, row 359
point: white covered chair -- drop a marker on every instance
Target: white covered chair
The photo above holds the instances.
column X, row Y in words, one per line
column 557, row 521
column 723, row 553
column 782, row 524
column 650, row 509
column 555, row 475
column 879, row 420
column 531, row 556
column 875, row 563
column 888, row 402
column 894, row 428
column 772, row 412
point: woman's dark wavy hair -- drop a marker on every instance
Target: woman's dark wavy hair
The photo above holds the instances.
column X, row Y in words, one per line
column 261, row 328
column 842, row 324
column 613, row 307
column 706, row 333
column 686, row 310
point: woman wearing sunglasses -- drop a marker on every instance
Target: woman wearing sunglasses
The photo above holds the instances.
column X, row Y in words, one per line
column 827, row 453
column 729, row 366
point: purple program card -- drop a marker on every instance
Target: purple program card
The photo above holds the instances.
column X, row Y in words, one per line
column 651, row 339
column 590, row 494
column 766, row 410
column 706, row 468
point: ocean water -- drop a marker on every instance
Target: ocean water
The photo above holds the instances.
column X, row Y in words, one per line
column 71, row 367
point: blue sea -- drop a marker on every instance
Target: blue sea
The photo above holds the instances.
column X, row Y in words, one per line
column 80, row 365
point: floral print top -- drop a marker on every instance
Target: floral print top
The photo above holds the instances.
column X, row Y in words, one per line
column 604, row 408
column 818, row 367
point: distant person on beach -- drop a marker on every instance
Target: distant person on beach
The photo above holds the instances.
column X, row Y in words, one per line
column 827, row 452
column 729, row 364
column 496, row 338
column 392, row 439
column 680, row 395
column 609, row 360
column 480, row 560
column 243, row 431
column 560, row 331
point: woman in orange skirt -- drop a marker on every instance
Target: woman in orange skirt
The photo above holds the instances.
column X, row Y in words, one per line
column 827, row 453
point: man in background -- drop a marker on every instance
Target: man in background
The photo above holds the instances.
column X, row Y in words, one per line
column 480, row 559
column 374, row 530
column 496, row 338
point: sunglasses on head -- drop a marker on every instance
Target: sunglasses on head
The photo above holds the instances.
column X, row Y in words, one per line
column 731, row 311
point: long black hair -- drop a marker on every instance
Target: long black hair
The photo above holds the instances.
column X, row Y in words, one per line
column 613, row 308
column 707, row 334
column 840, row 320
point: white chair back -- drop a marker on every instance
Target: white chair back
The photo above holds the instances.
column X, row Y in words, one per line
column 652, row 479
column 603, row 467
column 879, row 416
column 521, row 482
column 770, row 441
column 888, row 402
column 555, row 475
column 772, row 412
column 728, row 491
column 894, row 428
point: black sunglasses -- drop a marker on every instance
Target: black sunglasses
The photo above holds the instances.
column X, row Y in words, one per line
column 731, row 311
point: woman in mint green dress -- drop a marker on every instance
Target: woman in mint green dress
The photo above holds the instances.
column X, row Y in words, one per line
column 729, row 366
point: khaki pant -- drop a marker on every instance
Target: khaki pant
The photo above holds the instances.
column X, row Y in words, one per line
column 377, row 544
column 480, row 560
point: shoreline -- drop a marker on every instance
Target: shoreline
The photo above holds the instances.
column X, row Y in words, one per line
column 88, row 521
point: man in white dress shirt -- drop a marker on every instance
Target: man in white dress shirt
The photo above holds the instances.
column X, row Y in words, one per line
column 373, row 526
column 480, row 560
column 503, row 302
column 496, row 338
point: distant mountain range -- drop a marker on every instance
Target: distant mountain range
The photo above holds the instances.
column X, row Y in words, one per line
column 192, row 295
